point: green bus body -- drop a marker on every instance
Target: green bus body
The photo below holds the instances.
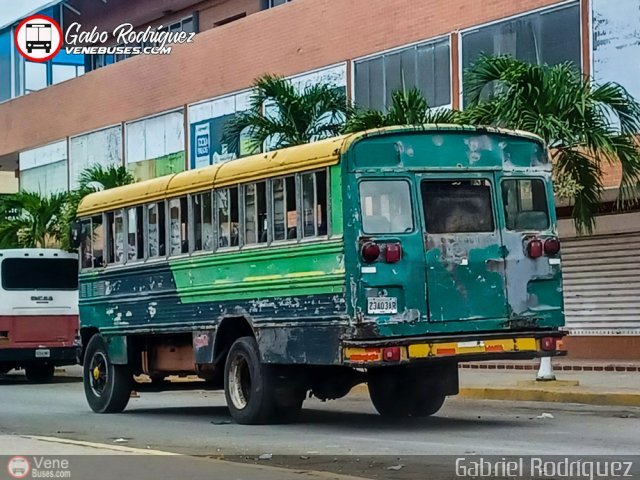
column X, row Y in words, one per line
column 307, row 303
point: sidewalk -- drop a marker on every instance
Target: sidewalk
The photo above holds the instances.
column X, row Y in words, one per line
column 611, row 386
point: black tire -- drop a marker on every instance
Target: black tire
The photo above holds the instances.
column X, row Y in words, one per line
column 401, row 394
column 106, row 386
column 251, row 387
column 40, row 373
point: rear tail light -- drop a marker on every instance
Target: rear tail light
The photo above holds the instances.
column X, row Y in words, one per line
column 370, row 252
column 548, row 344
column 551, row 246
column 391, row 354
column 534, row 248
column 393, row 253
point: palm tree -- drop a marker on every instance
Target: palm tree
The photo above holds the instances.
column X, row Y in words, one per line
column 284, row 116
column 30, row 220
column 408, row 107
column 92, row 179
column 585, row 124
column 98, row 177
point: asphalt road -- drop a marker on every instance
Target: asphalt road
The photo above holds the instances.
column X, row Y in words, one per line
column 344, row 436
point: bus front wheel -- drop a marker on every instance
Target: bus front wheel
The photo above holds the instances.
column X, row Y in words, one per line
column 106, row 386
column 251, row 387
column 401, row 394
column 40, row 373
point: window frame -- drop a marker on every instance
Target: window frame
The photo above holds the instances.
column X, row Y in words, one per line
column 503, row 206
column 492, row 198
column 409, row 183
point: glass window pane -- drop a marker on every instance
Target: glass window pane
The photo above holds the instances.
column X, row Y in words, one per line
column 457, row 206
column 86, row 257
column 376, row 84
column 175, row 225
column 292, row 207
column 525, row 204
column 279, row 209
column 308, row 205
column 361, row 88
column 393, row 75
column 224, row 226
column 197, row 222
column 132, row 241
column 35, row 76
column 250, row 230
column 386, row 206
column 60, row 73
column 321, row 202
column 118, row 235
column 152, row 230
column 261, row 206
column 207, row 221
column 97, row 244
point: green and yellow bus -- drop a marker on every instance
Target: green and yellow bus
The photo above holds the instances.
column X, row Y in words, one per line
column 385, row 257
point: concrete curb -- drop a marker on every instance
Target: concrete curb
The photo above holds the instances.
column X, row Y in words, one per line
column 558, row 395
column 549, row 394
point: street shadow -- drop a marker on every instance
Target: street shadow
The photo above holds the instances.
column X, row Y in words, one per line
column 20, row 379
column 362, row 421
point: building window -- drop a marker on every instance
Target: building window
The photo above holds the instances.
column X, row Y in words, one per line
column 548, row 37
column 426, row 66
column 275, row 3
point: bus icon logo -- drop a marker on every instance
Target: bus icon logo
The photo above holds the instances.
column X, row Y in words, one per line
column 18, row 467
column 38, row 38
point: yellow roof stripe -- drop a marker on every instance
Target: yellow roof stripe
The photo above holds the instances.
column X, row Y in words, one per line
column 310, row 156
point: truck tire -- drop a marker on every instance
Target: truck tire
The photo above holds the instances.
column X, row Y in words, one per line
column 40, row 373
column 396, row 394
column 250, row 387
column 106, row 386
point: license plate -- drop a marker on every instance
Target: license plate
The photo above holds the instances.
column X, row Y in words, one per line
column 43, row 353
column 378, row 305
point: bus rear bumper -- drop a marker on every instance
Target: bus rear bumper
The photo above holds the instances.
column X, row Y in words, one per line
column 58, row 356
column 454, row 348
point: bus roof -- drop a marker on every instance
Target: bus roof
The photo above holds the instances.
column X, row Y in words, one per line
column 318, row 154
column 35, row 253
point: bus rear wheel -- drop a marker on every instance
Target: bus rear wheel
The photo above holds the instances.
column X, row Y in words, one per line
column 40, row 373
column 401, row 394
column 251, row 389
column 106, row 386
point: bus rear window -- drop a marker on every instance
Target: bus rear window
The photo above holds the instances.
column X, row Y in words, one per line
column 525, row 204
column 456, row 206
column 39, row 274
column 386, row 206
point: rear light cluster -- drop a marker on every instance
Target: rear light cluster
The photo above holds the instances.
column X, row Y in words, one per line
column 536, row 247
column 389, row 252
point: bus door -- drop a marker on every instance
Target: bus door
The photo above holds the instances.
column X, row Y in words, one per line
column 463, row 244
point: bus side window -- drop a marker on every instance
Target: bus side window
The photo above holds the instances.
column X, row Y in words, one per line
column 234, row 216
column 135, row 250
column 222, row 204
column 97, row 241
column 202, row 222
column 174, row 227
column 285, row 214
column 314, row 204
column 255, row 213
column 115, row 237
column 85, row 246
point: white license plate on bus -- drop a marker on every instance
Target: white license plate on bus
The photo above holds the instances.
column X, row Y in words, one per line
column 378, row 305
column 43, row 353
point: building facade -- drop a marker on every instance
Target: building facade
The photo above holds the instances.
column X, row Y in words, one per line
column 159, row 114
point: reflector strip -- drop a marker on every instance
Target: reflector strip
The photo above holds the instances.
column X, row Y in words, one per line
column 363, row 354
column 423, row 350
